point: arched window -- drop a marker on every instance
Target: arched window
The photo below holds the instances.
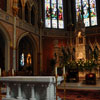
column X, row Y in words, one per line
column 33, row 15
column 54, row 14
column 20, row 9
column 87, row 9
column 3, row 5
column 26, row 13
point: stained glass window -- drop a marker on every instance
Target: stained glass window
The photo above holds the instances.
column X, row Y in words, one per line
column 54, row 14
column 22, row 59
column 87, row 9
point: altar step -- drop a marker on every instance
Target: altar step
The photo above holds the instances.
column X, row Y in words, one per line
column 80, row 85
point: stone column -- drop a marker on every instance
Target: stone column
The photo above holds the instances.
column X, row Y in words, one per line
column 14, row 45
column 15, row 12
column 8, row 91
column 32, row 93
column 48, row 93
column 19, row 92
column 52, row 91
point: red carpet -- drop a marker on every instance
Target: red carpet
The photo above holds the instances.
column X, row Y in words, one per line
column 79, row 94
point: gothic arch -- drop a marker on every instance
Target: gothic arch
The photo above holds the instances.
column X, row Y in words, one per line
column 27, row 6
column 34, row 4
column 7, row 39
column 35, row 50
column 90, row 44
column 20, row 9
column 98, row 46
column 33, row 15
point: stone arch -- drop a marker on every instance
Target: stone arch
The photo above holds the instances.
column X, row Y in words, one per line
column 35, row 48
column 7, row 39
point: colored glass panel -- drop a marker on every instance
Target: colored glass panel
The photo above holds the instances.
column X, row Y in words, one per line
column 54, row 23
column 93, row 21
column 92, row 4
column 53, row 1
column 86, row 22
column 78, row 9
column 85, row 5
column 60, row 2
column 93, row 12
column 47, row 11
column 47, row 1
column 54, row 11
column 86, row 14
column 87, row 9
column 61, row 24
column 77, row 1
column 22, row 59
column 47, row 23
column 60, row 12
column 54, row 14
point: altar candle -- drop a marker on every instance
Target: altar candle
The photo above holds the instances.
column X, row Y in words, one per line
column 64, row 70
column 55, row 70
column 0, row 71
column 12, row 72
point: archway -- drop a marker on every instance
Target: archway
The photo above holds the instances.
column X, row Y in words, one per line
column 2, row 52
column 4, row 49
column 26, row 56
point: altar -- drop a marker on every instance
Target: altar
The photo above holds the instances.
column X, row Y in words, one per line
column 30, row 88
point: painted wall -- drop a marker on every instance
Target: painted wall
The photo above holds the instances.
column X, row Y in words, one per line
column 49, row 49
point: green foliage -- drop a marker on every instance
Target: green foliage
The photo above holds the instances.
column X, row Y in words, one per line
column 90, row 65
column 81, row 65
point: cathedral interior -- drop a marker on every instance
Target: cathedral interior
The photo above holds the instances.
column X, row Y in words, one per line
column 34, row 34
column 42, row 37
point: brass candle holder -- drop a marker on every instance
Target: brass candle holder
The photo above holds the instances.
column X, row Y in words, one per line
column 56, row 76
column 64, row 75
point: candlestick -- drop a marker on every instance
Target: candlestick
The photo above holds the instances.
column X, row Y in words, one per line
column 0, row 71
column 56, row 71
column 64, row 70
column 12, row 72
